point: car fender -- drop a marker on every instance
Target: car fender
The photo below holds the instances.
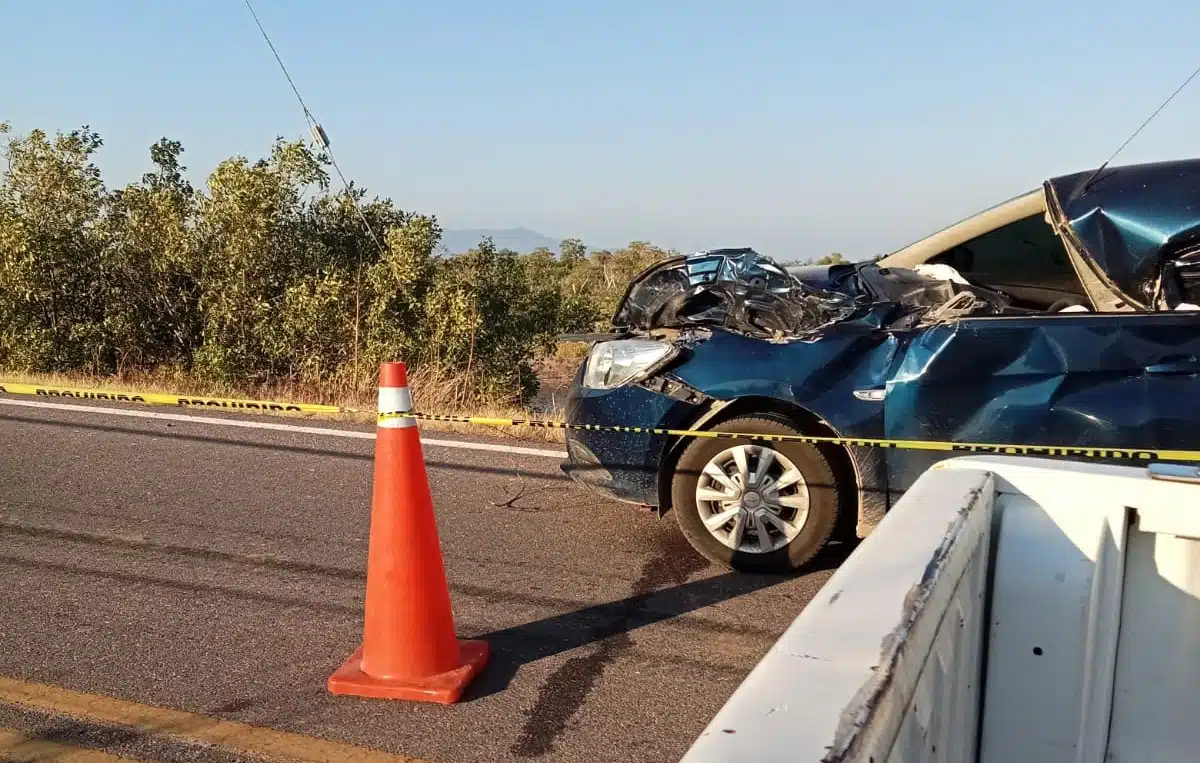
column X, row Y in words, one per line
column 862, row 467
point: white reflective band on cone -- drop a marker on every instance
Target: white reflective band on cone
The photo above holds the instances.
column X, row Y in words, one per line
column 396, row 400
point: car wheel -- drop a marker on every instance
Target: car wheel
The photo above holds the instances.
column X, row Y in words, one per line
column 763, row 507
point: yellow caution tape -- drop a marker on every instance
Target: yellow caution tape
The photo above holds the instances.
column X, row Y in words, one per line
column 270, row 406
column 182, row 401
column 1069, row 451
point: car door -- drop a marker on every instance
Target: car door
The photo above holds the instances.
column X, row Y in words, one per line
column 1119, row 380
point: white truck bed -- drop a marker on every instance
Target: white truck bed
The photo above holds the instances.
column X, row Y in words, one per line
column 1007, row 610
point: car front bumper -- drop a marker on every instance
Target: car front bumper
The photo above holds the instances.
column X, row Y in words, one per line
column 624, row 466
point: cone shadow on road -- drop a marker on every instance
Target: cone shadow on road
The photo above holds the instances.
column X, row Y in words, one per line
column 515, row 647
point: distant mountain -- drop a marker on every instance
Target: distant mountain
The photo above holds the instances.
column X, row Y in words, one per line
column 516, row 239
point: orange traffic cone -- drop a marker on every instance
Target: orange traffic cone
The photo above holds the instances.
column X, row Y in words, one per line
column 409, row 648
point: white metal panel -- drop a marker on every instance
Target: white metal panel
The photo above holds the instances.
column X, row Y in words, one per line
column 1059, row 611
column 883, row 665
column 1100, row 645
column 940, row 721
column 1156, row 698
column 1042, row 621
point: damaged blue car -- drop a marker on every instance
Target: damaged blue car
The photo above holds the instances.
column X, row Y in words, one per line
column 1067, row 316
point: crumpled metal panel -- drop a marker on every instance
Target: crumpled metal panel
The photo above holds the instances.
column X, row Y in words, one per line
column 1082, row 380
column 1129, row 218
column 743, row 291
column 818, row 376
column 623, row 465
column 1078, row 379
column 737, row 289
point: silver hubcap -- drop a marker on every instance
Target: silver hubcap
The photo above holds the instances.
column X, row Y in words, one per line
column 752, row 499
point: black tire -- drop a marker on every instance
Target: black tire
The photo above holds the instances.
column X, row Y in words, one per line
column 818, row 474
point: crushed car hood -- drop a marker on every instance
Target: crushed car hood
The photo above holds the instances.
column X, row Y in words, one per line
column 743, row 291
column 1132, row 232
column 1135, row 224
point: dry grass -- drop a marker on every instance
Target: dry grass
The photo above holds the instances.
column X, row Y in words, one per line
column 433, row 392
column 558, row 369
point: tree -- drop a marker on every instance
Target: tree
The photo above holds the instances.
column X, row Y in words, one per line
column 603, row 276
column 151, row 292
column 251, row 249
column 399, row 285
column 834, row 258
column 573, row 251
column 51, row 306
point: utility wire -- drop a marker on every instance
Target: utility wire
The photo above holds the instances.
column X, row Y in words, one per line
column 317, row 131
column 308, row 114
column 1149, row 119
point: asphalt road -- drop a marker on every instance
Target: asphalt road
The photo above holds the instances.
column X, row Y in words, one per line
column 220, row 571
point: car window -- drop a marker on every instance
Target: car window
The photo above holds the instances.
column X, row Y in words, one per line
column 1025, row 256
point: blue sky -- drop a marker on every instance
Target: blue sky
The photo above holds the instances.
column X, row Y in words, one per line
column 798, row 128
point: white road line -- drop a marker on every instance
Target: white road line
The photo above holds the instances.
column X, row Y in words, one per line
column 538, row 452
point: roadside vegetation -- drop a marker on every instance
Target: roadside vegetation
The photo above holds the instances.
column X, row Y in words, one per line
column 266, row 282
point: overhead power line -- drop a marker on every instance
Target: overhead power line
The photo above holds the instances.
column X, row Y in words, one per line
column 320, row 137
column 1136, row 132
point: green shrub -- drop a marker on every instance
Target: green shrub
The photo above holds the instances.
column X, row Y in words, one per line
column 266, row 276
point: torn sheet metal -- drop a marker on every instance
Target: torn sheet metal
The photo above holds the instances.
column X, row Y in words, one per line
column 738, row 289
column 930, row 297
column 746, row 292
column 1131, row 221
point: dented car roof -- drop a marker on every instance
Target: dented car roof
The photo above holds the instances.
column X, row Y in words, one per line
column 1130, row 220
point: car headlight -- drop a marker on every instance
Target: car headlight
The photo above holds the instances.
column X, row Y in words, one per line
column 612, row 364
